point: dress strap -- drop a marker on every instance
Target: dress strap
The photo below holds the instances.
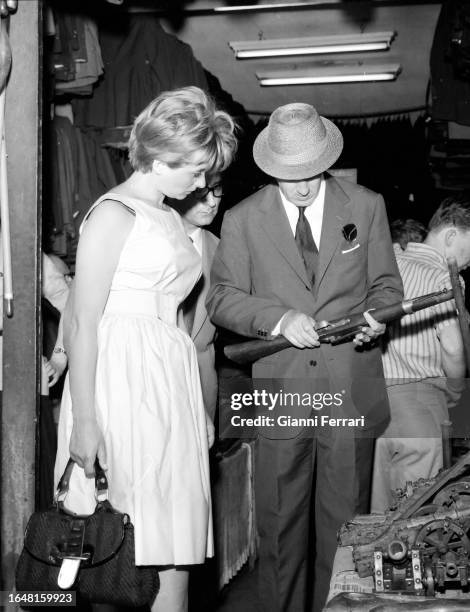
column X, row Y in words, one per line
column 113, row 197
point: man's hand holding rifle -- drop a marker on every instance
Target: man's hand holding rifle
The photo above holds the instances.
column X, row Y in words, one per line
column 300, row 330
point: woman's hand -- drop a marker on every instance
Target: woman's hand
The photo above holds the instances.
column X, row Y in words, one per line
column 49, row 375
column 55, row 367
column 210, row 431
column 87, row 443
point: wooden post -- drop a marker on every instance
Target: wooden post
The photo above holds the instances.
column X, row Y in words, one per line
column 21, row 333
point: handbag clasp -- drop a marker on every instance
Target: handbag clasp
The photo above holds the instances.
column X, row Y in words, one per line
column 68, row 572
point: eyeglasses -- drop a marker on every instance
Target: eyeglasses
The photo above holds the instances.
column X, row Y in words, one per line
column 216, row 190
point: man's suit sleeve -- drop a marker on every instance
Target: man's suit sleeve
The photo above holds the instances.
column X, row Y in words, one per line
column 229, row 301
column 384, row 282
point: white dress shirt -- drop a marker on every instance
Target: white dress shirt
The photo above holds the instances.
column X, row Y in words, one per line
column 314, row 216
column 196, row 237
column 313, row 212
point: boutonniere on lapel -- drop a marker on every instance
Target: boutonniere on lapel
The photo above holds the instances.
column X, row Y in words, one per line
column 350, row 242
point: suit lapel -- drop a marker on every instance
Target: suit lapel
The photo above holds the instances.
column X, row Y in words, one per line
column 276, row 224
column 336, row 214
column 200, row 314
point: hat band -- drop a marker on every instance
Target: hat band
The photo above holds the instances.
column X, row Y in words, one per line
column 305, row 156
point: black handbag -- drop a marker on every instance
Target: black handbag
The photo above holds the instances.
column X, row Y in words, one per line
column 91, row 555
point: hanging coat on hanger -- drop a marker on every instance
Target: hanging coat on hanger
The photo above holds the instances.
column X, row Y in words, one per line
column 141, row 60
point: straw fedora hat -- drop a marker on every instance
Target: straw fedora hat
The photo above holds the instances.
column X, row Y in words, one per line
column 297, row 143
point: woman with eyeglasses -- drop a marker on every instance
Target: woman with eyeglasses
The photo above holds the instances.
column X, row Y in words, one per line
column 201, row 206
column 133, row 397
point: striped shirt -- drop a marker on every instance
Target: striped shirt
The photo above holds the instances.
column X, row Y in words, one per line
column 412, row 349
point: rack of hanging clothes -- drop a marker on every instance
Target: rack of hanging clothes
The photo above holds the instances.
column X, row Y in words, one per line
column 390, row 153
column 104, row 66
column 81, row 169
column 449, row 156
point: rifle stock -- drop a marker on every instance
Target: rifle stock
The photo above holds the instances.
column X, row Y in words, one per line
column 336, row 331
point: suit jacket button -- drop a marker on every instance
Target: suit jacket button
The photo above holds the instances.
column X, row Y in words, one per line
column 312, row 362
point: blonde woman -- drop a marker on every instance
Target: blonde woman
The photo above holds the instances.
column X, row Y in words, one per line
column 133, row 397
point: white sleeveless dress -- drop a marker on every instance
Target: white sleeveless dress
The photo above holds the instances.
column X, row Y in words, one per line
column 148, row 397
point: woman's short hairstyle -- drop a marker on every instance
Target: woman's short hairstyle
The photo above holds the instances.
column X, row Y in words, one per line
column 178, row 124
column 453, row 211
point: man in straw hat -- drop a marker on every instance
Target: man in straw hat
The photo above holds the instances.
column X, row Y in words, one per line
column 306, row 249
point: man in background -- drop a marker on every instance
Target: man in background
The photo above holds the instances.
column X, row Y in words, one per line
column 404, row 231
column 421, row 350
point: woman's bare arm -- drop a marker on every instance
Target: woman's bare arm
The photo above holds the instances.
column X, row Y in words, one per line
column 99, row 249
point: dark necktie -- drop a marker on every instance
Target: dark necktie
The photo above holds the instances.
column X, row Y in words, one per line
column 306, row 244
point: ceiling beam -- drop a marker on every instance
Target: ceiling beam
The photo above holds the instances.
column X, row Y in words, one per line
column 272, row 6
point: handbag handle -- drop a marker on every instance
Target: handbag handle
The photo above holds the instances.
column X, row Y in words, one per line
column 101, row 483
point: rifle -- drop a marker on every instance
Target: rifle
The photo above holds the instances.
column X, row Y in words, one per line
column 334, row 332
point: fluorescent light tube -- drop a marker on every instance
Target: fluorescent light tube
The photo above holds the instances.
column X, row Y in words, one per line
column 313, row 45
column 272, row 6
column 335, row 74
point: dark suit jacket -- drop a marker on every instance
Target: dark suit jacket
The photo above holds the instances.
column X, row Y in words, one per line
column 258, row 275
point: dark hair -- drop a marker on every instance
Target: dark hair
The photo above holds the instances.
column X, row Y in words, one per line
column 453, row 211
column 407, row 230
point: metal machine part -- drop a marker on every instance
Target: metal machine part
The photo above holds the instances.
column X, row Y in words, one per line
column 370, row 602
column 423, row 546
column 398, row 570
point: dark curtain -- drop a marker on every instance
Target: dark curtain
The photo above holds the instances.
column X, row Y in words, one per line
column 450, row 63
column 391, row 156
